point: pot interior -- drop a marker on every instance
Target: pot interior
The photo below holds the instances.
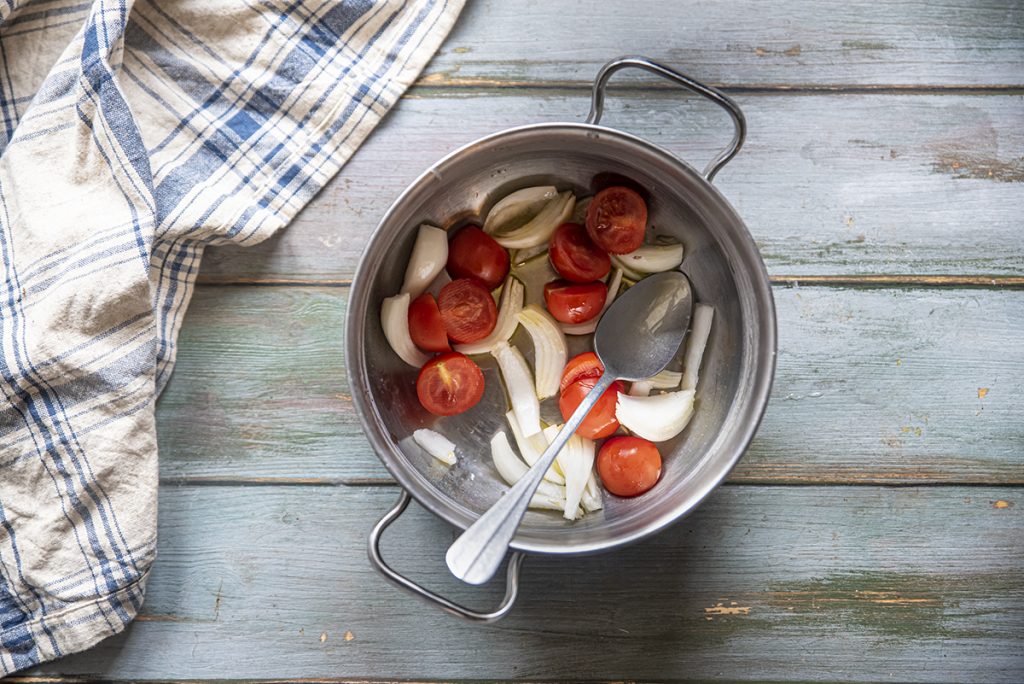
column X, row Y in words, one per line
column 721, row 261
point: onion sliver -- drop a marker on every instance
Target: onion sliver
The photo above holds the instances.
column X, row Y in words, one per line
column 539, row 229
column 592, row 495
column 651, row 258
column 700, row 329
column 519, row 384
column 521, row 256
column 509, row 306
column 436, row 444
column 657, row 418
column 394, row 318
column 549, row 349
column 549, row 496
column 641, row 388
column 590, row 326
column 576, row 461
column 429, row 256
column 532, row 448
column 521, row 205
column 579, row 212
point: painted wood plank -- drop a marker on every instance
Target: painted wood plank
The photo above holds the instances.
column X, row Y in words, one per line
column 766, row 583
column 831, row 42
column 857, row 184
column 873, row 385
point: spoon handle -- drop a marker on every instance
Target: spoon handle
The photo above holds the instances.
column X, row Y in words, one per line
column 477, row 553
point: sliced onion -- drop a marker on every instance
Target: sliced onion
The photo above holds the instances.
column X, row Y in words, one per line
column 592, row 495
column 657, row 418
column 651, row 258
column 629, row 273
column 429, row 255
column 436, row 444
column 521, row 256
column 532, row 448
column 509, row 306
column 590, row 326
column 579, row 212
column 548, row 496
column 576, row 461
column 518, row 208
column 664, row 380
column 538, row 230
column 549, row 349
column 394, row 318
column 519, row 384
column 641, row 388
column 700, row 329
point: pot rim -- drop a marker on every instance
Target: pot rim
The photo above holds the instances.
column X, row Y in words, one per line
column 423, row 491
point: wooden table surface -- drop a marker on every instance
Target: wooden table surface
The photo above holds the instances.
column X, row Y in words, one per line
column 874, row 531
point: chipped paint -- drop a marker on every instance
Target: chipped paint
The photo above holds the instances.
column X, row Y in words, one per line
column 1002, row 503
column 323, row 637
column 722, row 609
column 349, row 636
column 866, row 45
column 982, row 391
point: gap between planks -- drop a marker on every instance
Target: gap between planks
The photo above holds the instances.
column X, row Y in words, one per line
column 1003, row 282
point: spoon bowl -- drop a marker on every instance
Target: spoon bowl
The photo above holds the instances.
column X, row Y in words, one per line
column 642, row 330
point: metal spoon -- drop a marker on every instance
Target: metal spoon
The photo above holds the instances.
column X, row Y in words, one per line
column 637, row 337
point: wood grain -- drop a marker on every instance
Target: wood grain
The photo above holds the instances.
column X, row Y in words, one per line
column 775, row 583
column 851, row 185
column 831, row 42
column 873, row 386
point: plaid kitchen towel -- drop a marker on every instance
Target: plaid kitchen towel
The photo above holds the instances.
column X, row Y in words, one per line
column 132, row 135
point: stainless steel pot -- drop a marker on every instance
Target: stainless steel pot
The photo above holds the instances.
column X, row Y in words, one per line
column 722, row 262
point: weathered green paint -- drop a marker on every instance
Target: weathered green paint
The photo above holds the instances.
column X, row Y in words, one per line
column 851, row 185
column 815, row 583
column 873, row 385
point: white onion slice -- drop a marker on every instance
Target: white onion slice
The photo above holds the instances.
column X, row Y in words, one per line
column 700, row 329
column 436, row 444
column 519, row 385
column 394, row 318
column 532, row 448
column 549, row 349
column 521, row 205
column 665, row 380
column 651, row 258
column 579, row 212
column 576, row 460
column 521, row 256
column 626, row 270
column 548, row 496
column 592, row 500
column 641, row 388
column 509, row 306
column 538, row 230
column 590, row 326
column 657, row 418
column 429, row 255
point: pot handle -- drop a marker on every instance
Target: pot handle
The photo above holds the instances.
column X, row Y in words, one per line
column 713, row 94
column 511, row 582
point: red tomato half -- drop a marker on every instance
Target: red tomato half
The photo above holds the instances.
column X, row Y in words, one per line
column 473, row 253
column 628, row 466
column 600, row 422
column 585, row 365
column 425, row 325
column 449, row 384
column 616, row 219
column 575, row 256
column 468, row 310
column 574, row 302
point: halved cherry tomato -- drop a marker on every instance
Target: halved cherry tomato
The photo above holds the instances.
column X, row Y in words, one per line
column 628, row 466
column 467, row 309
column 585, row 365
column 425, row 325
column 574, row 302
column 449, row 384
column 616, row 219
column 600, row 422
column 575, row 256
column 473, row 253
